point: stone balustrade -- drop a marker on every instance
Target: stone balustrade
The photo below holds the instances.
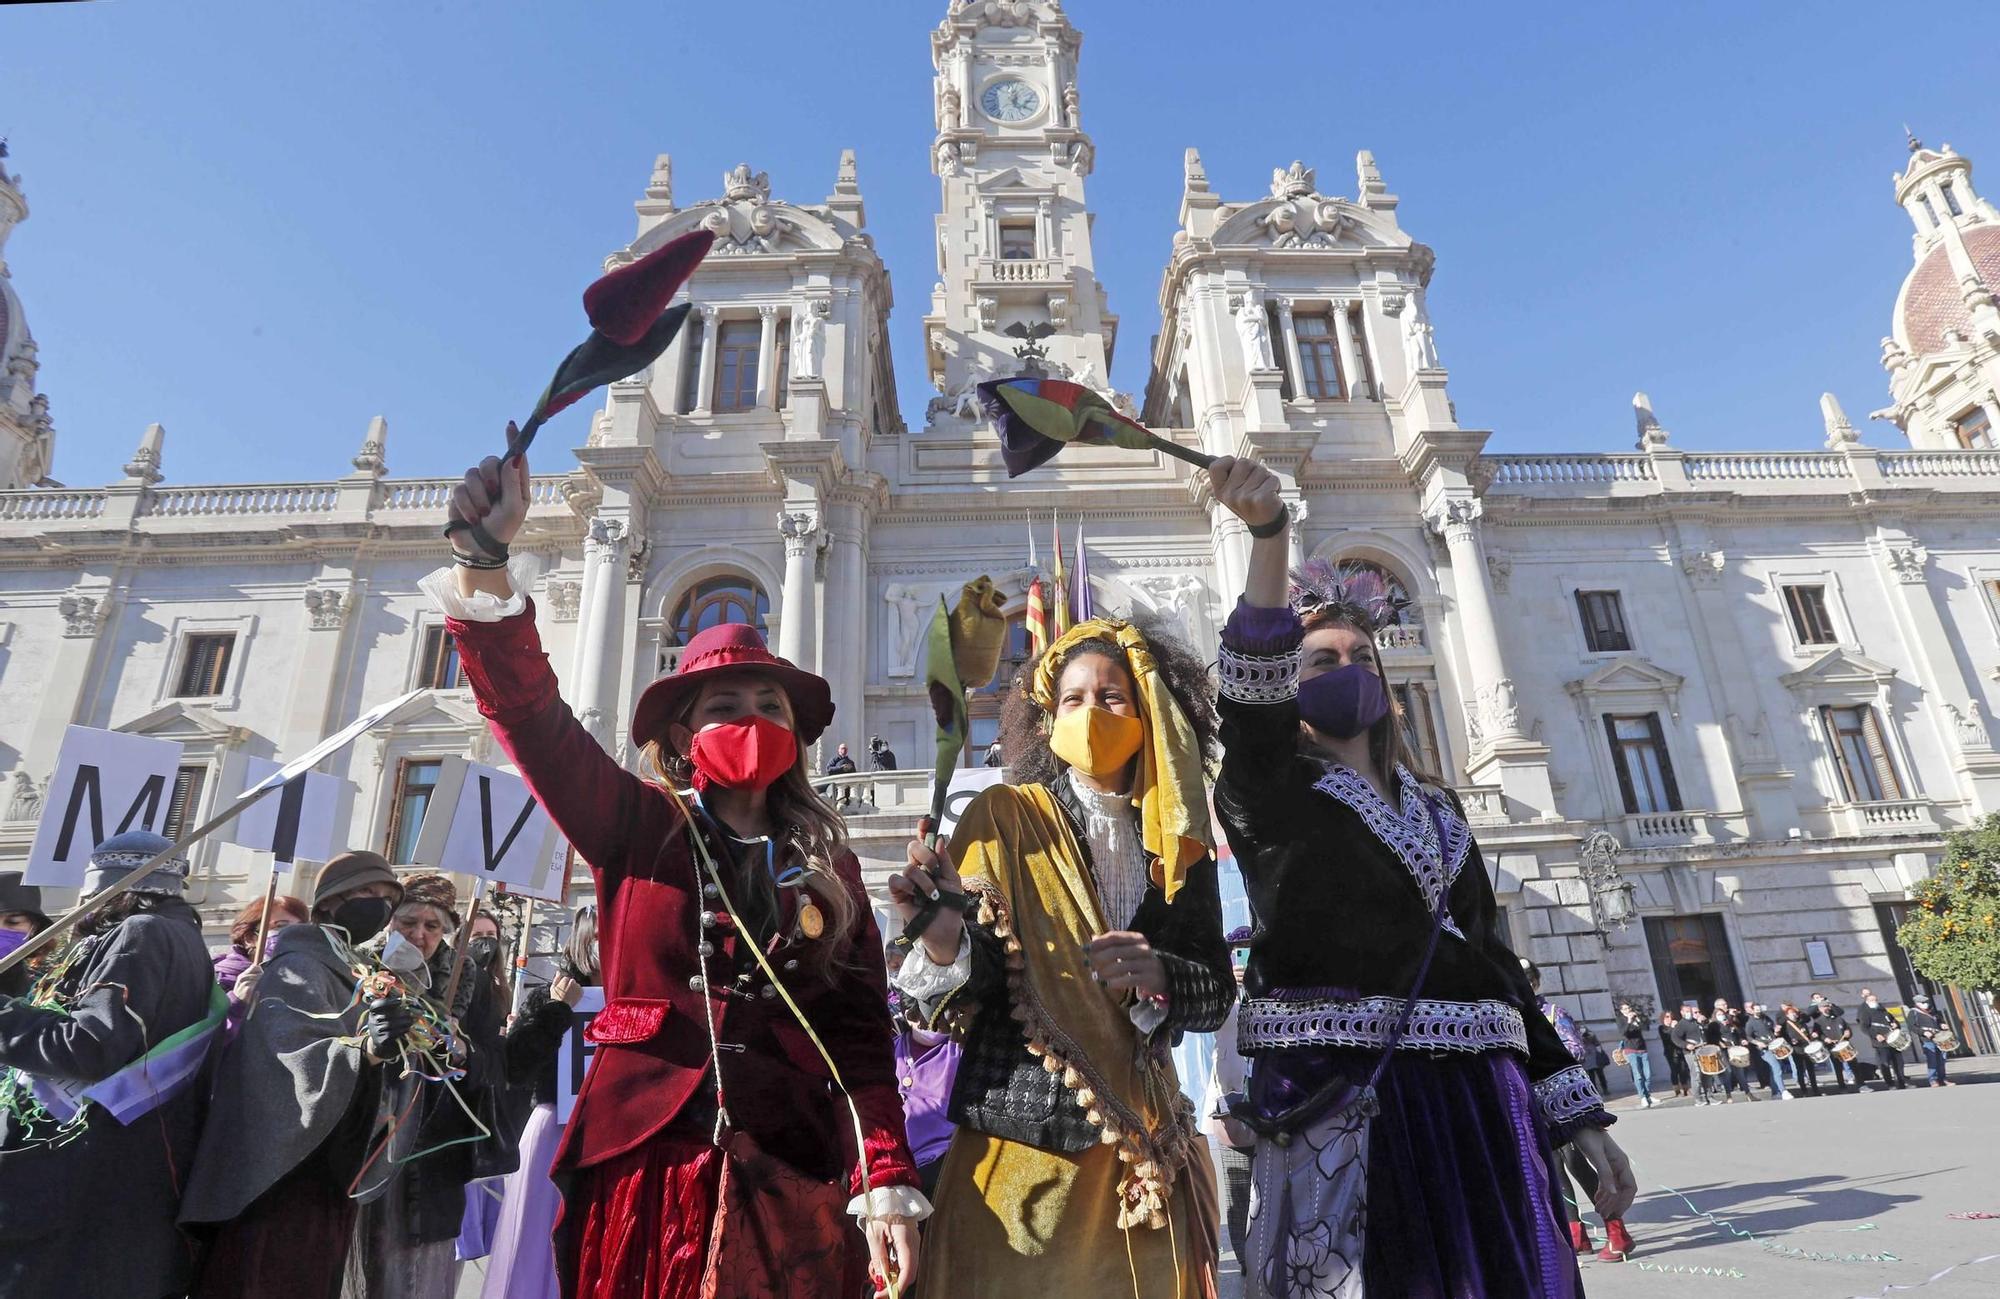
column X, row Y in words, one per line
column 1939, row 464
column 210, row 502
column 51, row 503
column 1021, row 270
column 1890, row 816
column 1538, row 471
column 270, row 501
column 1402, row 639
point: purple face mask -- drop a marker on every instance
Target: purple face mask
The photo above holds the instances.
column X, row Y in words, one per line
column 1344, row 702
column 9, row 940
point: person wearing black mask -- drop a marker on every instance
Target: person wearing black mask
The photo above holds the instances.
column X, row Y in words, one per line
column 295, row 1098
column 1832, row 1028
column 1692, row 1034
column 1877, row 1024
column 1795, row 1029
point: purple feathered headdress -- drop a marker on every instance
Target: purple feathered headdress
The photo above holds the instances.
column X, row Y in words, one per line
column 1352, row 592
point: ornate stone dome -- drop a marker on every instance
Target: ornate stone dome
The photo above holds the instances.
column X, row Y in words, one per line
column 1933, row 302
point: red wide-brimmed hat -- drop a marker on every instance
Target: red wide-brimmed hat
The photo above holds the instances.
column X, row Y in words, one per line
column 732, row 647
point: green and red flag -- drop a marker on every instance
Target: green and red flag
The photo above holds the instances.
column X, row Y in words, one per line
column 1036, row 417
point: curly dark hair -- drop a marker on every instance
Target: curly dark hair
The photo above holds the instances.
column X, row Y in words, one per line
column 1024, row 726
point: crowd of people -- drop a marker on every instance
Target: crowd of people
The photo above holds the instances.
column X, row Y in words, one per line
column 1712, row 1055
column 765, row 1111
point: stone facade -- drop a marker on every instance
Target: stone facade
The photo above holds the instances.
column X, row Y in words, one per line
column 1769, row 675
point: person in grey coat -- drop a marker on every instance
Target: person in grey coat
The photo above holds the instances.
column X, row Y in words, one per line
column 296, row 1098
column 87, row 1204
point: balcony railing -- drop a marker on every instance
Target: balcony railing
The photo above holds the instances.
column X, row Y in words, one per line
column 1400, row 639
column 1530, row 471
column 1652, row 829
column 1890, row 816
column 1021, row 270
column 1764, row 466
column 218, row 502
column 37, row 503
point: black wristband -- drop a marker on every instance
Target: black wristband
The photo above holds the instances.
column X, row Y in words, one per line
column 464, row 560
column 1265, row 531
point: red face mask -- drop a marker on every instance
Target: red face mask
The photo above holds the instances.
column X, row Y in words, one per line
column 748, row 753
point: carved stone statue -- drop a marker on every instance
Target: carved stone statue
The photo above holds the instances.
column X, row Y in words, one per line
column 809, row 339
column 1072, row 111
column 947, row 158
column 1423, row 342
column 1255, row 333
column 26, row 802
column 904, row 604
column 949, row 109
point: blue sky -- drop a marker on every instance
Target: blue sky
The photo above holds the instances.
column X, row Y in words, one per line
column 261, row 224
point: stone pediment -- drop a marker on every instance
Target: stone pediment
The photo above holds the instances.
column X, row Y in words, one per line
column 1011, row 178
column 1629, row 677
column 444, row 710
column 1840, row 669
column 1302, row 221
column 188, row 723
column 746, row 221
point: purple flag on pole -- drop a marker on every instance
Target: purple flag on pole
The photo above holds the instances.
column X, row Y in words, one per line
column 1083, row 607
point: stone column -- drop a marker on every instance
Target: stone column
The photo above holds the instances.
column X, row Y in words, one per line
column 1355, row 374
column 1231, row 539
column 767, row 356
column 704, row 388
column 1045, row 230
column 602, row 620
column 1495, row 715
column 845, row 641
column 1295, row 532
column 1290, row 342
column 798, row 622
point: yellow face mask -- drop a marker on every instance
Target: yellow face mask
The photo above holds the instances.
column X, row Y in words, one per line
column 1096, row 742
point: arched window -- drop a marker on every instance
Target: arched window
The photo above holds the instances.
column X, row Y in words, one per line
column 714, row 601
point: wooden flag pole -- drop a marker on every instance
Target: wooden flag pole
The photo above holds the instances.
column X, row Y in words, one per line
column 264, row 922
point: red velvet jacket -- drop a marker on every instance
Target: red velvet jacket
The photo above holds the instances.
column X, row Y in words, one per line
column 651, row 916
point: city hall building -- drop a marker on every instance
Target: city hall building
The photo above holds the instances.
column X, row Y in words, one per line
column 1771, row 677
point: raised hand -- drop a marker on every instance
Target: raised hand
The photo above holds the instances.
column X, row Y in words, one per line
column 494, row 496
column 1246, row 489
column 928, row 871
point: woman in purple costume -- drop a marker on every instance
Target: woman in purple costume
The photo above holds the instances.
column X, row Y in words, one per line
column 1408, row 1096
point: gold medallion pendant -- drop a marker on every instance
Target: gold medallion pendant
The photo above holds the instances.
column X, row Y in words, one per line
column 811, row 922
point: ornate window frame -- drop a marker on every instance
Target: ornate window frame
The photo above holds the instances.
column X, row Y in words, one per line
column 1847, row 678
column 243, row 627
column 1845, row 637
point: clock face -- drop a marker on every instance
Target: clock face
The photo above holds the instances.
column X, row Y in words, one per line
column 1010, row 100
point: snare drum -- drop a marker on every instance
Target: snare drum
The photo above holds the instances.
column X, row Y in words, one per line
column 1898, row 1039
column 1739, row 1056
column 1709, row 1060
column 1843, row 1051
column 1817, row 1053
column 1946, row 1040
column 1779, row 1050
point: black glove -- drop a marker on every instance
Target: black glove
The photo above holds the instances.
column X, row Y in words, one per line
column 384, row 1025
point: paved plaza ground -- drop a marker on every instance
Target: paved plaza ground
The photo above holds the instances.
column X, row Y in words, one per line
column 1868, row 1174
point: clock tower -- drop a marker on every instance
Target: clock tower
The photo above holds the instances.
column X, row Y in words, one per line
column 1016, row 284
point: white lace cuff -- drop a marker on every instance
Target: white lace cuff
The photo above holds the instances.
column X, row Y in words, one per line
column 442, row 587
column 926, row 980
column 890, row 1202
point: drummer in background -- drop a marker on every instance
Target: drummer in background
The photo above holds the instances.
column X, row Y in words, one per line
column 1761, row 1032
column 1796, row 1029
column 1726, row 1031
column 1879, row 1025
column 1830, row 1026
column 1677, row 1060
column 1692, row 1035
column 1923, row 1021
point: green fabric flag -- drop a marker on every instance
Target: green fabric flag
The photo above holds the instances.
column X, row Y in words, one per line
column 947, row 694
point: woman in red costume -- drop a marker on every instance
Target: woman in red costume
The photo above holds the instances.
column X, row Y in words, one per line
column 746, row 1000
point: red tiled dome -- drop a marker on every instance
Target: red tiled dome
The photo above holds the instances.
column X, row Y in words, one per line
column 1932, row 300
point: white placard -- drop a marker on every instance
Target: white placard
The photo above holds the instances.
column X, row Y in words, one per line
column 549, row 885
column 484, row 823
column 294, row 824
column 966, row 782
column 574, row 1058
column 105, row 783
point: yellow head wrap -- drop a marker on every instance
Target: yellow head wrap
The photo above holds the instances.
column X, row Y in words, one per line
column 1173, row 805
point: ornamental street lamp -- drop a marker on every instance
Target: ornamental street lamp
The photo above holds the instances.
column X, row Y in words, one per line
column 1610, row 892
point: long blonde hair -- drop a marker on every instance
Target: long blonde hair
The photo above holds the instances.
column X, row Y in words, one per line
column 807, row 824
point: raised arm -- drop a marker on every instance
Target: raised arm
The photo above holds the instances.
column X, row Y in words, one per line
column 601, row 808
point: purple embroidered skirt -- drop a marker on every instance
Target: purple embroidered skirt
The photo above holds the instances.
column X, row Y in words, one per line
column 1448, row 1193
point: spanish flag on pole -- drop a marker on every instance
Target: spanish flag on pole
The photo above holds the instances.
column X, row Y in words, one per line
column 1037, row 618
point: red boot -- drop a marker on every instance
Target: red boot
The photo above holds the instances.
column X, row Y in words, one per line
column 1617, row 1242
column 1579, row 1237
